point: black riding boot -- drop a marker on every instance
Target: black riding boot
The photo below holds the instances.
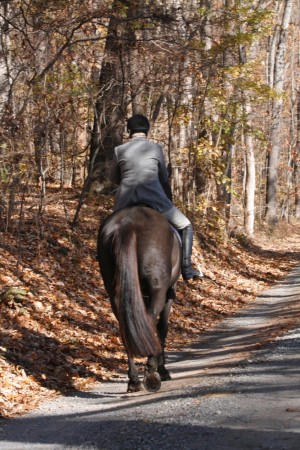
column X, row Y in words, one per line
column 188, row 272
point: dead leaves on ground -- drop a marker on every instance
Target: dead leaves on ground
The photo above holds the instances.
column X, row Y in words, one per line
column 57, row 329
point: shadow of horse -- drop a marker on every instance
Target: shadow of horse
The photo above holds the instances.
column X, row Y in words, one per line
column 139, row 256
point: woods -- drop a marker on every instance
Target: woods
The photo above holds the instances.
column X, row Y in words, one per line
column 218, row 79
column 219, row 82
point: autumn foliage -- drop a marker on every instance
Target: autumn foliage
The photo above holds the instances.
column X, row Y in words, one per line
column 222, row 94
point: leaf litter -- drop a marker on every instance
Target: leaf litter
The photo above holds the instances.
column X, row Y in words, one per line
column 58, row 333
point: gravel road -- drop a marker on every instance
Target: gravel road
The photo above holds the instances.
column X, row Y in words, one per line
column 238, row 388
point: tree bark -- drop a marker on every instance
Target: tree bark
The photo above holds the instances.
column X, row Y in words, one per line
column 296, row 158
column 275, row 132
column 249, row 211
column 109, row 111
column 5, row 63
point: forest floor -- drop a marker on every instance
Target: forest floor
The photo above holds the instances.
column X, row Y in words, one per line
column 57, row 331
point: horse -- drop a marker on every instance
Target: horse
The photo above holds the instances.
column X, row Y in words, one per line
column 139, row 255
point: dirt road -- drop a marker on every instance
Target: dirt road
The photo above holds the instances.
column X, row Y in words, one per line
column 238, row 388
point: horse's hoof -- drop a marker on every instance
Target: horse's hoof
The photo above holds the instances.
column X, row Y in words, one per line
column 152, row 381
column 135, row 387
column 164, row 374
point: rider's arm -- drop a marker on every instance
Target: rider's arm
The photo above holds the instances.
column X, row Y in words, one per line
column 164, row 175
column 114, row 172
column 162, row 168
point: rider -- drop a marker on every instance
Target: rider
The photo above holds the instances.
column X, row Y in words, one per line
column 140, row 171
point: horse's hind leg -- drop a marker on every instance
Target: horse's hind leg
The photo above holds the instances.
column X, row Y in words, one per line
column 134, row 383
column 152, row 381
column 162, row 328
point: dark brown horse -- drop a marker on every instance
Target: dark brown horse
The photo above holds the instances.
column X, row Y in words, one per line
column 139, row 257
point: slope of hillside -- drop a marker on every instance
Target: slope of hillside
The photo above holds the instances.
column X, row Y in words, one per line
column 57, row 329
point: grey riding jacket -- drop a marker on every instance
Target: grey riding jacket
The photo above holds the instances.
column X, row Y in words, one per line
column 140, row 170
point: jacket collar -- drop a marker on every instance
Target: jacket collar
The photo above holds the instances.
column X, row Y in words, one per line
column 138, row 135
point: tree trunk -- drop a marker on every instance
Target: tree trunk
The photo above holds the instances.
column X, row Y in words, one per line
column 296, row 166
column 5, row 63
column 249, row 213
column 275, row 131
column 109, row 111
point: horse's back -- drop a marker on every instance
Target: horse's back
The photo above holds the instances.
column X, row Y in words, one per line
column 148, row 225
column 141, row 218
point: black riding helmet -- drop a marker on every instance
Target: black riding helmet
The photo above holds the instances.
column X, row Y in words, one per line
column 138, row 124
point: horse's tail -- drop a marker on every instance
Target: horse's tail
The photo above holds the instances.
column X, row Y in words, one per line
column 136, row 326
